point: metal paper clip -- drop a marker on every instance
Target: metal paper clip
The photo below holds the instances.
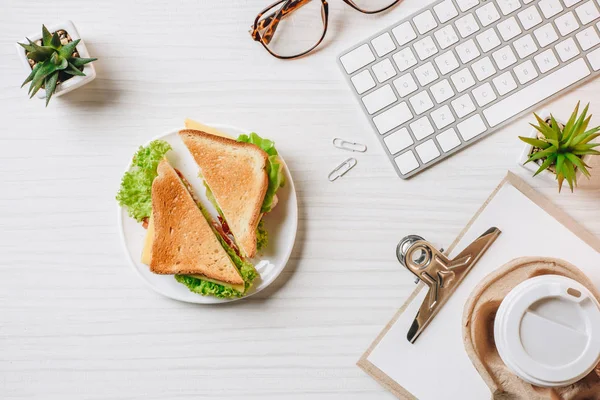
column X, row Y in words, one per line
column 350, row 146
column 342, row 169
column 438, row 272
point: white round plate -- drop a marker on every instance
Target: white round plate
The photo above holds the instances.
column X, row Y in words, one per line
column 281, row 224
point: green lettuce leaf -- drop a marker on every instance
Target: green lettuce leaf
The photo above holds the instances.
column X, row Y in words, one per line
column 262, row 237
column 135, row 192
column 274, row 167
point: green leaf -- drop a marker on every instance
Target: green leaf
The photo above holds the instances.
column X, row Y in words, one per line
column 46, row 36
column 560, row 159
column 547, row 162
column 585, row 152
column 27, row 47
column 45, row 70
column 555, row 127
column 560, row 178
column 32, row 74
column 542, row 154
column 67, row 50
column 585, row 146
column 569, row 172
column 571, row 121
column 60, row 62
column 543, row 128
column 578, row 162
column 41, row 54
column 50, row 86
column 72, row 70
column 80, row 62
column 575, row 129
column 55, row 41
column 535, row 142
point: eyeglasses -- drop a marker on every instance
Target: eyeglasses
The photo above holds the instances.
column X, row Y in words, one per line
column 292, row 28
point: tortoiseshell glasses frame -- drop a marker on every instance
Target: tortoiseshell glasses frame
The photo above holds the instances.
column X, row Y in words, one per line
column 265, row 26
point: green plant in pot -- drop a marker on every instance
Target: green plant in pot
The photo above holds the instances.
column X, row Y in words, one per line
column 563, row 148
column 53, row 61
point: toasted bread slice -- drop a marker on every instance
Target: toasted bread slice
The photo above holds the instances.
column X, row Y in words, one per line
column 184, row 242
column 236, row 173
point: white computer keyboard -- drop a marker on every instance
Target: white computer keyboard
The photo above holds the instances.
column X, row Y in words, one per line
column 458, row 70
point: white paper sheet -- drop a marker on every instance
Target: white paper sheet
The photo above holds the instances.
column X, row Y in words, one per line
column 527, row 230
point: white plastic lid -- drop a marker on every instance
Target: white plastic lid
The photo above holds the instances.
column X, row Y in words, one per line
column 547, row 331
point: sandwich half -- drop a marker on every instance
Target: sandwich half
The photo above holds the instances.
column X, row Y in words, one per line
column 237, row 176
column 180, row 240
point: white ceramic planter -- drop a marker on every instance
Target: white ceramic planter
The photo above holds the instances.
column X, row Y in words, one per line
column 535, row 165
column 72, row 83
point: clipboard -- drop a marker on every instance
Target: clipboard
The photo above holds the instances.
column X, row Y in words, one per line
column 513, row 186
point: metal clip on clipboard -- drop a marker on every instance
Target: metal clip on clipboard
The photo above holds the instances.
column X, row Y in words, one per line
column 438, row 272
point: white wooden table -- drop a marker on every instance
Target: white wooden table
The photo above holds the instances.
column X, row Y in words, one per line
column 75, row 320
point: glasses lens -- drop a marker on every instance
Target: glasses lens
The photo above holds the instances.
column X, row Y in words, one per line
column 373, row 5
column 299, row 29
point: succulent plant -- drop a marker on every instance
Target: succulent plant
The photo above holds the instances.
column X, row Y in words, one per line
column 561, row 148
column 50, row 59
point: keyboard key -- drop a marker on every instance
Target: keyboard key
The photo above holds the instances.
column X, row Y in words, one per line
column 426, row 73
column 488, row 40
column 463, row 106
column 421, row 102
column 421, row 128
column 594, row 59
column 405, row 85
column 484, row 94
column 406, row 162
column 398, row 141
column 467, row 51
column 448, row 140
column 425, row 48
column 483, row 68
column 508, row 6
column 504, row 57
column 363, row 81
column 487, row 14
column 471, row 127
column 587, row 12
column 570, row 3
column 509, row 28
column 546, row 61
column 550, row 7
column 442, row 91
column 379, row 99
column 384, row 70
column 383, row 44
column 425, row 22
column 567, row 49
column 357, row 58
column 529, row 17
column 447, row 62
column 588, row 38
column 442, row 117
column 504, row 83
column 404, row 59
column 404, row 33
column 465, row 5
column 445, row 11
column 536, row 92
column 466, row 25
column 427, row 151
column 395, row 116
column 463, row 80
column 566, row 23
column 545, row 35
column 525, row 46
column 446, row 36
column 525, row 72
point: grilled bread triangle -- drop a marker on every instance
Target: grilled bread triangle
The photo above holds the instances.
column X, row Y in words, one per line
column 184, row 242
column 236, row 174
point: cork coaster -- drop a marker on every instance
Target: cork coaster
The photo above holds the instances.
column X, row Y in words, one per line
column 478, row 332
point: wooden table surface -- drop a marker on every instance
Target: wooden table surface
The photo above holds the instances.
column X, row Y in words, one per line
column 76, row 322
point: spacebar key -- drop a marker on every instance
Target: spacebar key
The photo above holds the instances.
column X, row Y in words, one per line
column 536, row 92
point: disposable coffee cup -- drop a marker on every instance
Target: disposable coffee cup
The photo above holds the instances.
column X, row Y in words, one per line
column 547, row 331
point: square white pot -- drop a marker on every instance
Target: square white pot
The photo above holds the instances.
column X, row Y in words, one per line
column 535, row 165
column 72, row 83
